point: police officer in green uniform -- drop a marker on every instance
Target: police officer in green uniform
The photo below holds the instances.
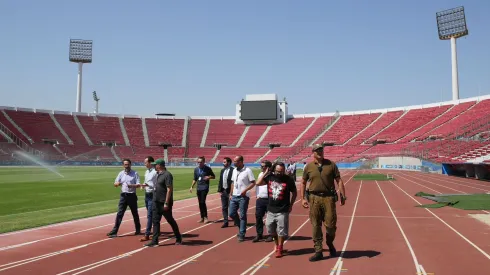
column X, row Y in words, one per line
column 322, row 174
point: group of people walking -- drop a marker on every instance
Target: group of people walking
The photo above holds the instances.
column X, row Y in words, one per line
column 275, row 191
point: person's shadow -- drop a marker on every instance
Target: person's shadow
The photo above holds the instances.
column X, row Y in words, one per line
column 348, row 254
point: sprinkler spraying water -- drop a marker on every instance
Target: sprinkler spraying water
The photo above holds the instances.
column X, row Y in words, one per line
column 33, row 159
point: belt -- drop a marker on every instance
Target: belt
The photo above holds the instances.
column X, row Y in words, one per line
column 262, row 198
column 322, row 194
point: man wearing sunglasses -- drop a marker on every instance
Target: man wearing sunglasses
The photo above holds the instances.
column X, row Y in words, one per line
column 261, row 204
column 322, row 174
column 281, row 196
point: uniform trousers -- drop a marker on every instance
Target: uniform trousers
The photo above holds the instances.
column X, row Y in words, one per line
column 322, row 210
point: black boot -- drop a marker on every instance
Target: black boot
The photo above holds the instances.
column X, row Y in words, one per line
column 316, row 257
column 331, row 247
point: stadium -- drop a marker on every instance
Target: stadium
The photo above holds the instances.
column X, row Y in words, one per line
column 417, row 181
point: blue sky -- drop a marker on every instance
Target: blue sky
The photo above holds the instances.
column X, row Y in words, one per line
column 202, row 57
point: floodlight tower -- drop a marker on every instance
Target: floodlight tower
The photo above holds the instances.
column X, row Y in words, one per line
column 451, row 24
column 80, row 52
column 96, row 99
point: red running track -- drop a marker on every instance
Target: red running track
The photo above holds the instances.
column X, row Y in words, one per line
column 380, row 231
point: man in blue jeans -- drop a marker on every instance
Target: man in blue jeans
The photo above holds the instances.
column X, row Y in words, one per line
column 243, row 181
column 150, row 178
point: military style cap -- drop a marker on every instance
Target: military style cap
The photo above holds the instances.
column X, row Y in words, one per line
column 159, row 161
column 316, row 147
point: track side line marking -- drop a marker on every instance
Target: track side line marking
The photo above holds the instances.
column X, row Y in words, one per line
column 450, row 227
column 339, row 259
column 143, row 217
column 82, row 219
column 436, row 190
column 415, row 261
column 41, row 257
column 185, row 261
column 106, row 261
column 266, row 258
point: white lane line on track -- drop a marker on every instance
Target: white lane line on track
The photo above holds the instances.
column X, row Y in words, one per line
column 457, row 179
column 83, row 219
column 262, row 261
column 143, row 217
column 450, row 227
column 460, row 184
column 37, row 258
column 339, row 259
column 95, row 217
column 436, row 190
column 258, row 265
column 106, row 261
column 412, row 252
column 68, row 250
column 178, row 265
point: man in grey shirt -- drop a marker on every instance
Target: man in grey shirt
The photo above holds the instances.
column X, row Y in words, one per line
column 163, row 200
column 129, row 180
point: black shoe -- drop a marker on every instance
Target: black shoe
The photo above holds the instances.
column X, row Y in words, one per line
column 241, row 239
column 178, row 241
column 316, row 257
column 137, row 232
column 224, row 225
column 257, row 238
column 332, row 250
column 269, row 239
column 151, row 244
column 112, row 234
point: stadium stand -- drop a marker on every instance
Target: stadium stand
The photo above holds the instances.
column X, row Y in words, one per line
column 454, row 131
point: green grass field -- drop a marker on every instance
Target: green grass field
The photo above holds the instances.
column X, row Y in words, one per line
column 34, row 197
column 365, row 177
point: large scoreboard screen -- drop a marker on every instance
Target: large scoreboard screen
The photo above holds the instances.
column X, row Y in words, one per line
column 259, row 110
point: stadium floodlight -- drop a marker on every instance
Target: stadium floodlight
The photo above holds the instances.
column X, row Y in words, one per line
column 80, row 52
column 451, row 24
column 96, row 99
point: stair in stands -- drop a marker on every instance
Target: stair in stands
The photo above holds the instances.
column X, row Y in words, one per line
column 123, row 131
column 61, row 130
column 185, row 133
column 387, row 126
column 205, row 134
column 5, row 135
column 242, row 137
column 114, row 154
column 367, row 127
column 145, row 132
column 263, row 135
column 313, row 141
column 80, row 127
column 17, row 126
column 422, row 126
column 263, row 156
column 303, row 133
column 215, row 156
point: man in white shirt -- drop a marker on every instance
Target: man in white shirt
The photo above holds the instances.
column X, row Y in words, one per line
column 128, row 179
column 243, row 181
column 150, row 178
column 261, row 204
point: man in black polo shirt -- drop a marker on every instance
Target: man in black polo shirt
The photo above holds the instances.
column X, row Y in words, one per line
column 202, row 175
column 163, row 200
column 280, row 186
